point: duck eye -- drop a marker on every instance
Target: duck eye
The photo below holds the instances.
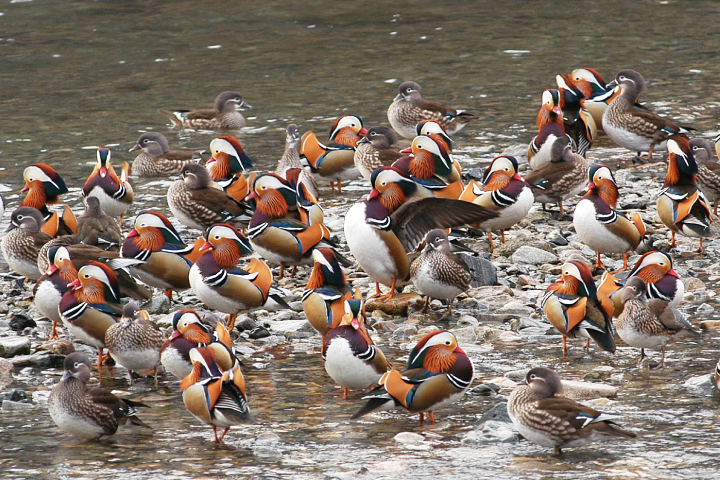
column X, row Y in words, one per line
column 217, row 237
column 76, row 365
column 533, row 377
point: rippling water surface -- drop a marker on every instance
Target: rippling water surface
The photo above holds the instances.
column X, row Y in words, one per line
column 77, row 75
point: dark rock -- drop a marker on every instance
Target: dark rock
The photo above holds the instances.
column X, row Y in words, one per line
column 259, row 332
column 246, row 323
column 159, row 304
column 497, row 413
column 559, row 239
column 14, row 395
column 483, row 270
column 20, row 321
column 42, row 359
column 474, row 174
column 486, row 390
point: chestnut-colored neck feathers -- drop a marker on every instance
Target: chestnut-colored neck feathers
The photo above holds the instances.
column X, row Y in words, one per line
column 226, row 254
column 569, row 285
column 36, row 196
column 438, row 359
column 392, row 197
column 93, row 291
column 675, row 176
column 220, row 168
column 422, row 166
column 497, row 181
column 650, row 274
column 545, row 117
column 608, row 191
column 193, row 377
column 317, row 278
column 273, row 204
column 150, row 238
column 67, row 272
column 196, row 334
column 347, row 137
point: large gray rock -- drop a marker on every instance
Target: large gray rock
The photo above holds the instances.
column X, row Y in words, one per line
column 42, row 358
column 483, row 270
column 13, row 346
column 533, row 256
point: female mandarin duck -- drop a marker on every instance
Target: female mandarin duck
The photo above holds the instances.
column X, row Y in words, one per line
column 95, row 227
column 115, row 193
column 432, row 166
column 276, row 231
column 647, row 323
column 223, row 117
column 291, row 160
column 579, row 123
column 220, row 284
column 44, row 187
column 597, row 223
column 381, row 229
column 574, row 307
column 562, row 178
column 227, row 165
column 550, row 127
column 636, row 129
column 23, row 242
column 426, row 127
column 214, row 396
column 708, row 176
column 376, row 149
column 156, row 159
column 50, row 288
column 503, row 191
column 349, row 354
column 88, row 413
column 188, row 332
column 437, row 374
column 408, row 108
column 334, row 163
column 542, row 416
column 135, row 342
column 157, row 245
column 92, row 305
column 197, row 203
column 681, row 205
column 324, row 297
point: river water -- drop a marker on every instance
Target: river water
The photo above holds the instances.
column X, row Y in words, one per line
column 78, row 75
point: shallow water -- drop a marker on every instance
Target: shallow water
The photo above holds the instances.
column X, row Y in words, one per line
column 97, row 77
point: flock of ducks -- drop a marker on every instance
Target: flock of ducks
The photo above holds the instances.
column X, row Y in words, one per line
column 398, row 235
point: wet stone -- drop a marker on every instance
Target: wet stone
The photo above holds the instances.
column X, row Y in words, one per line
column 702, row 383
column 10, row 406
column 483, row 270
column 159, row 304
column 42, row 358
column 13, row 346
column 404, row 332
column 20, row 321
column 533, row 256
column 492, row 431
column 259, row 332
column 14, row 395
column 409, row 438
column 397, row 305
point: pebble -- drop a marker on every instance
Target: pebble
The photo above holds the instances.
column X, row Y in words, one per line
column 533, row 256
column 492, row 431
column 13, row 346
column 693, row 283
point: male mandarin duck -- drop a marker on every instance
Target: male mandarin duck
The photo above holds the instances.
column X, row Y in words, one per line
column 92, row 305
column 222, row 285
column 349, row 354
column 156, row 159
column 95, row 227
column 636, row 129
column 308, row 207
column 544, row 417
column 157, row 245
column 227, row 164
column 197, row 203
column 597, row 94
column 115, row 193
column 223, row 117
column 214, row 396
column 681, row 205
column 291, row 160
column 647, row 323
column 23, row 241
column 188, row 332
column 275, row 231
column 503, row 191
column 88, row 413
column 49, row 289
column 599, row 225
column 334, row 163
column 579, row 123
column 708, row 176
column 324, row 297
column 439, row 273
column 562, row 178
column 135, row 342
column 44, row 187
column 376, row 149
column 432, row 166
column 575, row 308
column 550, row 127
column 408, row 108
column 437, row 374
column 382, row 228
column 427, row 127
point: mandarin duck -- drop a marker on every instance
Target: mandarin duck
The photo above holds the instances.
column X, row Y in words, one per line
column 637, row 129
column 426, row 127
column 335, row 162
column 222, row 285
column 437, row 374
column 432, row 166
column 562, row 178
column 156, row 159
column 574, row 307
column 597, row 94
column 349, row 354
column 544, row 417
column 324, row 297
column 376, row 149
column 135, row 341
column 439, row 273
column 88, row 413
column 95, row 227
column 408, row 108
column 291, row 160
column 188, row 332
column 716, row 375
column 550, row 127
column 308, row 207
column 49, row 289
column 503, row 191
column 92, row 305
column 681, row 205
column 599, row 225
column 708, row 176
column 579, row 123
column 647, row 323
column 227, row 164
column 224, row 116
column 44, row 187
column 214, row 396
column 156, row 244
column 198, row 204
column 382, row 228
column 115, row 193
column 23, row 241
